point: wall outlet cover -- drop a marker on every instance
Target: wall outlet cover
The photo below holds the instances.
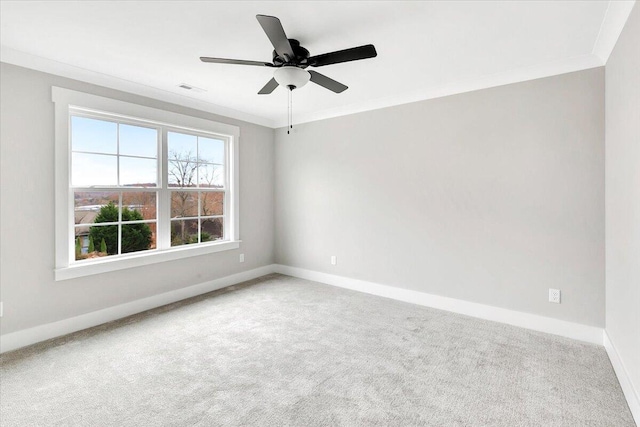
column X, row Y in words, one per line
column 554, row 296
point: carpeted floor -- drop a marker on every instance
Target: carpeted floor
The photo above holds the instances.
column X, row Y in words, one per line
column 279, row 351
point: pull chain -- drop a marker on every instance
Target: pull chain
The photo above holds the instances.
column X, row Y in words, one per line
column 290, row 110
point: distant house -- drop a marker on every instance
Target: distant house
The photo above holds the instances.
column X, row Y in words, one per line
column 85, row 215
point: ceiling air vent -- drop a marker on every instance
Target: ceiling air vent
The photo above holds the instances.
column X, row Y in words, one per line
column 191, row 88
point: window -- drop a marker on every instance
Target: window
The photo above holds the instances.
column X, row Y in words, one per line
column 115, row 182
column 197, row 181
column 136, row 185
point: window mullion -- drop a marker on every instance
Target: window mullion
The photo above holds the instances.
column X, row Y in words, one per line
column 120, row 222
column 199, row 194
column 226, row 207
column 163, row 227
column 198, row 185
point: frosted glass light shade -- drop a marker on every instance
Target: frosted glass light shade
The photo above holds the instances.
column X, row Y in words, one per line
column 291, row 76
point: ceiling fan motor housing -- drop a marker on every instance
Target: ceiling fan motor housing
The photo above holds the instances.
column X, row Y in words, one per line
column 300, row 56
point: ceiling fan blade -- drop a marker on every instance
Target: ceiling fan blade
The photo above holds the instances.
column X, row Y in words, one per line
column 269, row 87
column 326, row 82
column 235, row 61
column 272, row 26
column 346, row 55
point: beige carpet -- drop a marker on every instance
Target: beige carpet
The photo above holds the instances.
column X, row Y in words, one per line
column 280, row 351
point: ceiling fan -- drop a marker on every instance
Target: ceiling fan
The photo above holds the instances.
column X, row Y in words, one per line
column 291, row 60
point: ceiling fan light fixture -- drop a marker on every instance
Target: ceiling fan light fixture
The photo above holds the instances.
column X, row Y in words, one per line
column 291, row 77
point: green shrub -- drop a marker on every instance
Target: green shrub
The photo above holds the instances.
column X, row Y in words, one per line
column 135, row 237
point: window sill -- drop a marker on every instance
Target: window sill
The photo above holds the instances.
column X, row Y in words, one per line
column 129, row 261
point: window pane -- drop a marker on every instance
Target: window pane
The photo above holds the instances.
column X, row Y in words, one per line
column 89, row 170
column 132, row 214
column 82, row 230
column 210, row 150
column 184, row 232
column 96, row 207
column 96, row 241
column 138, row 141
column 81, row 244
column 135, row 172
column 211, row 176
column 182, row 147
column 138, row 237
column 184, row 204
column 182, row 174
column 212, row 229
column 143, row 202
column 88, row 204
column 211, row 203
column 96, row 136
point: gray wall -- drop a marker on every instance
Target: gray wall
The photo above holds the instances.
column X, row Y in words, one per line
column 623, row 197
column 492, row 196
column 31, row 296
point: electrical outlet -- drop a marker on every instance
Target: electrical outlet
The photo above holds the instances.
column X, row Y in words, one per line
column 554, row 296
column 241, row 257
column 334, row 260
column 1, row 309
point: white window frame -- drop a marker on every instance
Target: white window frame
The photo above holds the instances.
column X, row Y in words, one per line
column 66, row 102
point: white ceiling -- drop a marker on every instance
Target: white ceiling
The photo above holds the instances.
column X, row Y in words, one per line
column 425, row 49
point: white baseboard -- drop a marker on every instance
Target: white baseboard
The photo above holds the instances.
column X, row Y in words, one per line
column 534, row 322
column 590, row 334
column 563, row 328
column 36, row 334
column 628, row 388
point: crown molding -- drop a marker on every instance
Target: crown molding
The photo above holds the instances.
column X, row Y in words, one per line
column 612, row 24
column 22, row 59
column 552, row 68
